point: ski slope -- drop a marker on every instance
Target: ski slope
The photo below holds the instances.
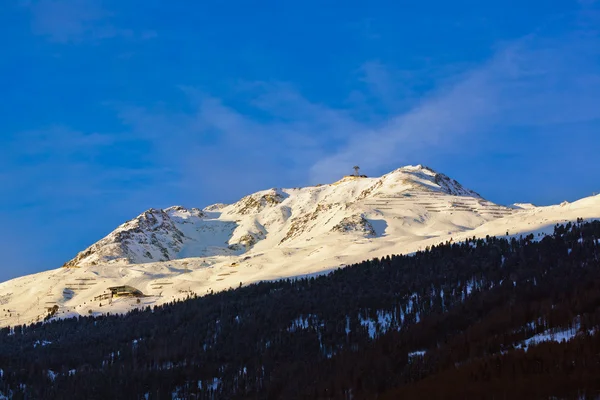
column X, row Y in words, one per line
column 170, row 254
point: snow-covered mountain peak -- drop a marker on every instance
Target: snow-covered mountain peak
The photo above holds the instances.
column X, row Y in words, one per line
column 184, row 212
column 412, row 178
column 417, row 167
column 215, row 207
column 154, row 235
column 276, row 217
column 257, row 202
column 272, row 234
column 523, row 206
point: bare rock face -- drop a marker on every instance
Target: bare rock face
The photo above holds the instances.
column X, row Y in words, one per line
column 215, row 207
column 257, row 202
column 451, row 186
column 154, row 235
column 355, row 223
column 247, row 241
column 305, row 222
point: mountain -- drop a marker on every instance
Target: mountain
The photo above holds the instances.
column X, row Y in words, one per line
column 172, row 253
column 365, row 207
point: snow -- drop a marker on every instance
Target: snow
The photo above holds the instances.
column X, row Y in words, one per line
column 522, row 206
column 384, row 319
column 215, row 384
column 418, row 353
column 273, row 234
column 553, row 334
column 52, row 375
column 382, row 324
column 41, row 343
column 550, row 335
column 299, row 323
column 370, row 325
column 470, row 285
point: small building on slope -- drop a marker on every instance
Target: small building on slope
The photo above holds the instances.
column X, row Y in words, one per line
column 125, row 291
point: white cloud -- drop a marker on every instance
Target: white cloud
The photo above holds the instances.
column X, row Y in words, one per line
column 531, row 82
column 280, row 137
column 217, row 145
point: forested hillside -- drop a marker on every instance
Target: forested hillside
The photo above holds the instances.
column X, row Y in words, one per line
column 478, row 319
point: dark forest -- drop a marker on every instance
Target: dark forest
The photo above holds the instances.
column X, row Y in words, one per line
column 450, row 322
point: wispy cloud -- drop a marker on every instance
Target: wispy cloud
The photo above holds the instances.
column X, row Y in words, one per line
column 281, row 137
column 63, row 168
column 73, row 21
column 217, row 145
column 527, row 83
column 56, row 182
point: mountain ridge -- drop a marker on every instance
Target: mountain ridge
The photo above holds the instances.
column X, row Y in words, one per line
column 272, row 234
column 156, row 235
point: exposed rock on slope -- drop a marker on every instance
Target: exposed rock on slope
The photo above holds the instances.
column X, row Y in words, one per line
column 405, row 199
column 257, row 202
column 355, row 223
column 215, row 207
column 154, row 235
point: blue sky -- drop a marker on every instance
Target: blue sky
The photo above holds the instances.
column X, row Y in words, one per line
column 108, row 108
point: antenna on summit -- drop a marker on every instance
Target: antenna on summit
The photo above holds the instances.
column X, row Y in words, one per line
column 356, row 168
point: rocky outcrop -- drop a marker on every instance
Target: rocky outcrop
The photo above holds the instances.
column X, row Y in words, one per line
column 255, row 203
column 355, row 223
column 215, row 207
column 305, row 222
column 451, row 186
column 152, row 236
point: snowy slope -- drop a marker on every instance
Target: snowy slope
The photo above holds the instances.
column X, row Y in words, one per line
column 160, row 235
column 281, row 217
column 271, row 234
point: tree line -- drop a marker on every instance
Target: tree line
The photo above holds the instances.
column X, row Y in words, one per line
column 451, row 321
